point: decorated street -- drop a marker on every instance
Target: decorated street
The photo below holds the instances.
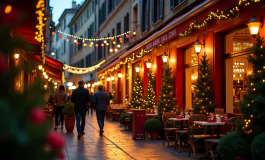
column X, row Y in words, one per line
column 116, row 143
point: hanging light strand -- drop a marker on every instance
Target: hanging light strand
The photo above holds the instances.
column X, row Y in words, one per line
column 93, row 39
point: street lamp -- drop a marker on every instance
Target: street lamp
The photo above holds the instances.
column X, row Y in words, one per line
column 108, row 79
column 69, row 84
column 197, row 46
column 112, row 78
column 119, row 75
column 137, row 68
column 148, row 64
column 164, row 57
column 254, row 26
column 16, row 56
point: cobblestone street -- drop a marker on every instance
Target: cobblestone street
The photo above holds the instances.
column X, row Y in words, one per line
column 116, row 143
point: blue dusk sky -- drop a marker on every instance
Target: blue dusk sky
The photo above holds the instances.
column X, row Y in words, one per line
column 59, row 6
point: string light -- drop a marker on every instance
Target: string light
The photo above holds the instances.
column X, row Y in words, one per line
column 93, row 39
column 77, row 70
column 216, row 15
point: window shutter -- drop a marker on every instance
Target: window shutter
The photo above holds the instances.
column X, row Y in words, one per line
column 161, row 9
column 148, row 13
column 153, row 11
column 142, row 15
column 171, row 4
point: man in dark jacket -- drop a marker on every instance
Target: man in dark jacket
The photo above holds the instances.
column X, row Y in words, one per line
column 101, row 100
column 80, row 97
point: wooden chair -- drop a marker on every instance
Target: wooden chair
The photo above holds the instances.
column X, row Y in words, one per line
column 201, row 132
column 229, row 126
column 169, row 126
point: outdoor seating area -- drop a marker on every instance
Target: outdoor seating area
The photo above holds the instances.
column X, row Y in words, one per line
column 187, row 132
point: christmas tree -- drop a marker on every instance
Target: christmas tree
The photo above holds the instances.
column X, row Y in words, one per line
column 25, row 131
column 150, row 97
column 251, row 128
column 137, row 94
column 167, row 100
column 204, row 102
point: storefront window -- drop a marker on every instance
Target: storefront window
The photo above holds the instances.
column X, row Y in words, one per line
column 191, row 75
column 237, row 67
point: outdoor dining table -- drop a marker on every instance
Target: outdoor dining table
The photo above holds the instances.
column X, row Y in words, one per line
column 179, row 119
column 218, row 124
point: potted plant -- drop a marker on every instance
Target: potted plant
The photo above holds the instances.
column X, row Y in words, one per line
column 153, row 126
column 69, row 116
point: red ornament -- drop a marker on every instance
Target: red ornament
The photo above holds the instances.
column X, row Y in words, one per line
column 3, row 63
column 53, row 33
column 56, row 140
column 67, row 39
column 120, row 39
column 60, row 36
column 61, row 155
column 127, row 36
column 76, row 43
column 102, row 45
column 37, row 116
column 96, row 45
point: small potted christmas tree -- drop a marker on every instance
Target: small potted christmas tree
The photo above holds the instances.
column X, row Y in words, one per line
column 69, row 116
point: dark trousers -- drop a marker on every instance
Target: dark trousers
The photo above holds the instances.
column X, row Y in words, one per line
column 100, row 117
column 58, row 112
column 89, row 107
column 80, row 117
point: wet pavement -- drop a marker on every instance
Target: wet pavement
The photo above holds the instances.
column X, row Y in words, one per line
column 116, row 143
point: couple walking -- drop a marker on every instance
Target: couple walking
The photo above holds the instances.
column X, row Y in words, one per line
column 81, row 99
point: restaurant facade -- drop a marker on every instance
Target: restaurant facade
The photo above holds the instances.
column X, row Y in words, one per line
column 222, row 29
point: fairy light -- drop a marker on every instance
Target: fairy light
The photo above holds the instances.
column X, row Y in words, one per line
column 93, row 39
column 216, row 15
column 77, row 70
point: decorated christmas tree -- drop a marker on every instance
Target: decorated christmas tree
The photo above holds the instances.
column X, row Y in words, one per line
column 150, row 97
column 25, row 133
column 167, row 100
column 251, row 127
column 137, row 94
column 203, row 98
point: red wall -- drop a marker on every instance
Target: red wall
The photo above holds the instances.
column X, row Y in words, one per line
column 179, row 78
column 158, row 75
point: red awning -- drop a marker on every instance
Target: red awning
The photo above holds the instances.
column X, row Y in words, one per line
column 52, row 67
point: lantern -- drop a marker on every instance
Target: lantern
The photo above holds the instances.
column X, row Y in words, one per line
column 164, row 57
column 148, row 64
column 254, row 26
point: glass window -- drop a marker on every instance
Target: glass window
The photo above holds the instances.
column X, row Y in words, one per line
column 237, row 68
column 191, row 75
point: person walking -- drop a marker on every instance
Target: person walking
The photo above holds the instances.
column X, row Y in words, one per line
column 60, row 99
column 101, row 100
column 91, row 104
column 80, row 98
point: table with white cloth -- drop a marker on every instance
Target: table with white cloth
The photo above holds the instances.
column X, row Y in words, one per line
column 218, row 124
column 179, row 119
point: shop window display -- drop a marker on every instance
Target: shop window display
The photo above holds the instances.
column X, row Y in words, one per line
column 237, row 67
column 191, row 75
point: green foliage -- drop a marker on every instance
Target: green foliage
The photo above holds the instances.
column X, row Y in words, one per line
column 137, row 94
column 233, row 145
column 204, row 100
column 122, row 118
column 21, row 136
column 150, row 97
column 167, row 100
column 258, row 147
column 153, row 125
column 253, row 102
column 69, row 110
